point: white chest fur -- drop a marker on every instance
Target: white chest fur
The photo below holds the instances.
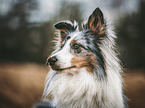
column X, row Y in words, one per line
column 84, row 90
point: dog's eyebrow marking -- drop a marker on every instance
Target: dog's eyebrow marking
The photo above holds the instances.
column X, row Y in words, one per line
column 73, row 41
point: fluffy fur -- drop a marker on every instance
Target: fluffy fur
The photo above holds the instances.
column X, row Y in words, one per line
column 84, row 70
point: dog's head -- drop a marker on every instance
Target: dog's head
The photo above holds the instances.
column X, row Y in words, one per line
column 79, row 49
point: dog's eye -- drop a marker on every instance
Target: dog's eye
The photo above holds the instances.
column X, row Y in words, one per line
column 75, row 46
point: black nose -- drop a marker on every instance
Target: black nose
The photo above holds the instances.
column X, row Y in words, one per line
column 51, row 61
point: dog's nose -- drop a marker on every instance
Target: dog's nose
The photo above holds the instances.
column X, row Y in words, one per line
column 51, row 61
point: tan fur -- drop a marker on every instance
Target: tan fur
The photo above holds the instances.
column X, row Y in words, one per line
column 81, row 62
column 73, row 41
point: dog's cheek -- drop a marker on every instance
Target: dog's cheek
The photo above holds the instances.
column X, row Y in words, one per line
column 79, row 62
column 88, row 62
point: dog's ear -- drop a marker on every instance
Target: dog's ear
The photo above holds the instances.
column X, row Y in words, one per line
column 65, row 27
column 96, row 22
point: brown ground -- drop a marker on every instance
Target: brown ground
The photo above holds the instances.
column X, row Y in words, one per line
column 135, row 88
column 21, row 85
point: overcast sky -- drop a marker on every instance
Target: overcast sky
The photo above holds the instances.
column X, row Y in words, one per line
column 48, row 8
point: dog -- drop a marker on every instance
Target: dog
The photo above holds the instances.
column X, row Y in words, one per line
column 84, row 69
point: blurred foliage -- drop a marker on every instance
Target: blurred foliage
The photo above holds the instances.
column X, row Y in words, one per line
column 70, row 11
column 21, row 40
column 131, row 38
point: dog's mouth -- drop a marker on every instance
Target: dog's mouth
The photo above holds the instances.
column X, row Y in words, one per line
column 61, row 69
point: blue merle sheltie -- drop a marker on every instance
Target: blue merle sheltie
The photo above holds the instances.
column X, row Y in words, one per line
column 84, row 69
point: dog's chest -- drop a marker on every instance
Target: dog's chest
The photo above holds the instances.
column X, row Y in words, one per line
column 75, row 90
column 83, row 90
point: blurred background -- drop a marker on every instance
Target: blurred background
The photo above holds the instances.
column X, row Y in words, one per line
column 26, row 31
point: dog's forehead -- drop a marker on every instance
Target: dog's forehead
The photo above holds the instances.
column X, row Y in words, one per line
column 78, row 36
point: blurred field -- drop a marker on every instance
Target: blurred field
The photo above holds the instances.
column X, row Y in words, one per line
column 135, row 88
column 21, row 85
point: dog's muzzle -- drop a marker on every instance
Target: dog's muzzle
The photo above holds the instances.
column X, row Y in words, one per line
column 52, row 61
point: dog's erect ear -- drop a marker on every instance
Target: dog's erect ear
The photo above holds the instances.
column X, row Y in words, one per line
column 65, row 27
column 96, row 22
